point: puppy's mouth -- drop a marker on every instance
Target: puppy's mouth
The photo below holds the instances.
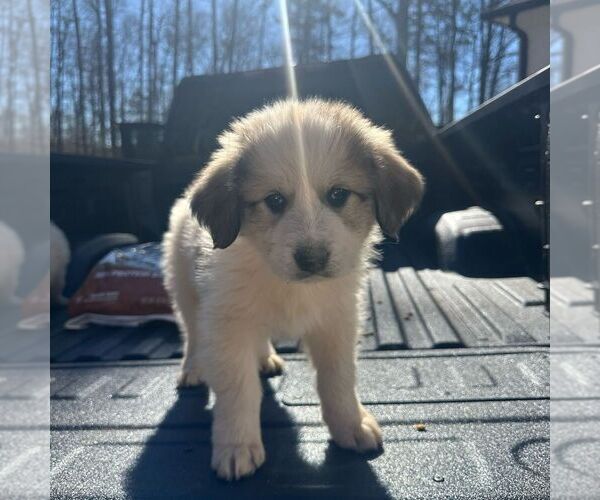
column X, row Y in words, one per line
column 307, row 277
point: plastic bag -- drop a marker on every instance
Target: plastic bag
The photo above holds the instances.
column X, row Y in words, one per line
column 125, row 288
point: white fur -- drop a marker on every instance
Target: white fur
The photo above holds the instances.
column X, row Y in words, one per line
column 60, row 255
column 230, row 302
column 12, row 255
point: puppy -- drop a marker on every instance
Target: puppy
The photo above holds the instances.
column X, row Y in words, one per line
column 272, row 238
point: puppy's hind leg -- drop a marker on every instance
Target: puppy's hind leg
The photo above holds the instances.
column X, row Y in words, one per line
column 191, row 366
column 271, row 364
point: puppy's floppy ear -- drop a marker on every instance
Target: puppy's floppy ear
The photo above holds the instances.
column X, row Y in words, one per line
column 398, row 187
column 215, row 200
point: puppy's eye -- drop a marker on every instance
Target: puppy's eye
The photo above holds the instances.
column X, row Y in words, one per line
column 276, row 202
column 337, row 197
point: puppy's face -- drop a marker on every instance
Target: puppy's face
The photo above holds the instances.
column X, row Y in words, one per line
column 308, row 211
column 305, row 183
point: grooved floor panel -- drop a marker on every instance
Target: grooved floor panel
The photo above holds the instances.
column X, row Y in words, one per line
column 123, row 430
column 406, row 309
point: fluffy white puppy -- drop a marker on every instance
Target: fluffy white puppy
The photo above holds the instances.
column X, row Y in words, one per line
column 12, row 255
column 274, row 236
column 60, row 254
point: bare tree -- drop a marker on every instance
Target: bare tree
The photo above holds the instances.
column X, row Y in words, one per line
column 418, row 43
column 175, row 44
column 353, row 32
column 59, row 35
column 14, row 28
column 370, row 14
column 449, row 115
column 232, row 40
column 190, row 39
column 484, row 58
column 101, row 95
column 81, row 126
column 110, row 65
column 37, row 136
column 215, row 41
column 150, row 66
column 497, row 62
column 329, row 29
column 261, row 33
column 142, row 54
column 399, row 14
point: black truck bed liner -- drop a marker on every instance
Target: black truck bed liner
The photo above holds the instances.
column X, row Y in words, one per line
column 468, row 358
column 120, row 427
column 124, row 430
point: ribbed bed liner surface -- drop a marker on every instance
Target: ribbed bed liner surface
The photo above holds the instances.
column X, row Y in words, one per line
column 407, row 309
column 468, row 358
column 124, row 430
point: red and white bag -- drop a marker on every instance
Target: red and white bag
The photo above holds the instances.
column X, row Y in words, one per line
column 125, row 288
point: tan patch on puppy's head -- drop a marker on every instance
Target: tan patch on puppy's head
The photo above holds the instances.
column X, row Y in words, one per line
column 305, row 183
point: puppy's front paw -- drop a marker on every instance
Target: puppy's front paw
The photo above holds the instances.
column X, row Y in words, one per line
column 189, row 377
column 234, row 461
column 363, row 438
column 272, row 365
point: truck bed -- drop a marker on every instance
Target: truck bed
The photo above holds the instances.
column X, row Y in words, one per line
column 467, row 358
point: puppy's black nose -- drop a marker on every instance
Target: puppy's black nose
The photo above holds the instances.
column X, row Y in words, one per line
column 311, row 259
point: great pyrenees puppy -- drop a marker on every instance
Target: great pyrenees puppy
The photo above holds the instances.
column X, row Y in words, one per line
column 274, row 237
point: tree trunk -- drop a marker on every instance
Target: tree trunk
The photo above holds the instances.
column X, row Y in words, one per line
column 38, row 127
column 81, row 91
column 92, row 82
column 149, row 69
column 400, row 18
column 9, row 118
column 59, row 79
column 175, row 44
column 484, row 57
column 261, row 33
column 122, row 88
column 142, row 54
column 441, row 68
column 498, row 63
column 100, row 60
column 370, row 13
column 418, row 42
column 452, row 62
column 402, row 31
column 353, row 33
column 215, row 40
column 190, row 39
column 234, row 21
column 110, row 63
column 441, row 87
column 306, row 32
column 329, row 28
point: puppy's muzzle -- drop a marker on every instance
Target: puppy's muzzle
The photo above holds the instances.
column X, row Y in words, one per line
column 311, row 259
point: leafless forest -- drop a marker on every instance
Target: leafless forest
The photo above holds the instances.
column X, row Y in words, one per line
column 24, row 66
column 119, row 61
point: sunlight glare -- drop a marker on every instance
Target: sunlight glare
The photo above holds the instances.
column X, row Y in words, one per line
column 292, row 89
column 292, row 86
